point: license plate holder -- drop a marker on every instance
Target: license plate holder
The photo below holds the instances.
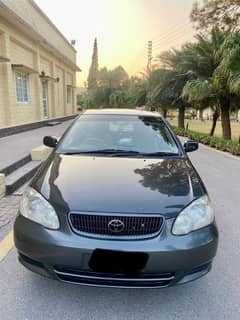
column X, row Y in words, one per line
column 108, row 261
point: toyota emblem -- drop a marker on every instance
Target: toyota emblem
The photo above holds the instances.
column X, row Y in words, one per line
column 116, row 226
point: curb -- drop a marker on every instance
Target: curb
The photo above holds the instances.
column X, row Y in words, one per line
column 8, row 131
column 227, row 154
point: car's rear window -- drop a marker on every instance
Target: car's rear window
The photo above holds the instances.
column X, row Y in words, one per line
column 142, row 134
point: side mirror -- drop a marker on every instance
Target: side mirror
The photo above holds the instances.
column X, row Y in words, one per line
column 190, row 146
column 50, row 141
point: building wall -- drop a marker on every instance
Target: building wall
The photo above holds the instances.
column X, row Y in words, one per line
column 2, row 100
column 35, row 17
column 23, row 112
column 22, row 49
column 69, row 84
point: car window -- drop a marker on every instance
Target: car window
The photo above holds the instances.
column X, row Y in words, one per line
column 129, row 133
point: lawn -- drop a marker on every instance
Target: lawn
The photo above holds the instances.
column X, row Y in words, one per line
column 205, row 127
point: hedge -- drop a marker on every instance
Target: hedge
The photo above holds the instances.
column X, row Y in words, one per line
column 214, row 142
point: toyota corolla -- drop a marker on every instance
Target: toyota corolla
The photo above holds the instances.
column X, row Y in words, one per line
column 117, row 203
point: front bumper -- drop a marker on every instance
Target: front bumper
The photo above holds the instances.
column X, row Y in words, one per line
column 66, row 256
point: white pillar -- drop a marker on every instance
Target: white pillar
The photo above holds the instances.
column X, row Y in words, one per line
column 38, row 86
column 8, row 96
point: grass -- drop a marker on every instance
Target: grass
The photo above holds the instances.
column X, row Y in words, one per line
column 205, row 127
column 214, row 142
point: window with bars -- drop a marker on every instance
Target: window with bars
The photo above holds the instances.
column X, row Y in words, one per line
column 22, row 87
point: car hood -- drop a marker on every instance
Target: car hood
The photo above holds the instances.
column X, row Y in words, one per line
column 120, row 185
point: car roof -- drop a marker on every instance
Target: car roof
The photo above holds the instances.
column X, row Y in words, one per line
column 127, row 112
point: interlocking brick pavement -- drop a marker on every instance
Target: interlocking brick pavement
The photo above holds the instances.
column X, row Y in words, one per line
column 8, row 209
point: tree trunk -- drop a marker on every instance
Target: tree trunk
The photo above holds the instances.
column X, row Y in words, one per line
column 216, row 115
column 225, row 117
column 201, row 114
column 181, row 115
column 164, row 112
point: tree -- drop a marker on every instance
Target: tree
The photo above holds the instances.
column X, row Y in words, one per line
column 201, row 59
column 214, row 60
column 119, row 98
column 125, row 92
column 158, row 94
column 84, row 100
column 172, row 79
column 224, row 14
column 227, row 78
column 92, row 76
column 110, row 81
column 201, row 93
column 137, row 92
column 168, row 93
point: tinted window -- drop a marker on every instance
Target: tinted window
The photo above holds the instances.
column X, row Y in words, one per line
column 130, row 133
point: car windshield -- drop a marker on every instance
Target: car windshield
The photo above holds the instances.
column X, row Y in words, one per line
column 121, row 134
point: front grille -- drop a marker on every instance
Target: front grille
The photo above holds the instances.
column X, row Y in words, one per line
column 89, row 278
column 116, row 226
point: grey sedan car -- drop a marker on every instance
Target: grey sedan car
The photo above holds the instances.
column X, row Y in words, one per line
column 117, row 203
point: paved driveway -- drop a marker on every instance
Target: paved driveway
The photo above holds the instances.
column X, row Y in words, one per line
column 17, row 146
column 217, row 296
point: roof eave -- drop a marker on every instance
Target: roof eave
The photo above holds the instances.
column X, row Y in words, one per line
column 36, row 36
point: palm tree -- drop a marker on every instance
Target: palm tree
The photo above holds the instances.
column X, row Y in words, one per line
column 137, row 91
column 156, row 97
column 172, row 79
column 215, row 62
column 227, row 78
column 202, row 95
column 118, row 99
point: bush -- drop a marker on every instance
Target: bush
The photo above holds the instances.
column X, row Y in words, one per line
column 214, row 142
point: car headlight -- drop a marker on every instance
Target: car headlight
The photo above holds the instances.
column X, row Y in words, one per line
column 197, row 215
column 34, row 207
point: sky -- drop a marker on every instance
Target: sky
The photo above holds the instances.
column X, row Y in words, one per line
column 122, row 29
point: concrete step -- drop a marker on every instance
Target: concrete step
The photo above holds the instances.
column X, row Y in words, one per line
column 20, row 191
column 20, row 176
column 53, row 123
column 9, row 168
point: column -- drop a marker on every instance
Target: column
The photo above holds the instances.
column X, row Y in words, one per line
column 54, row 90
column 74, row 98
column 64, row 93
column 8, row 96
column 38, row 87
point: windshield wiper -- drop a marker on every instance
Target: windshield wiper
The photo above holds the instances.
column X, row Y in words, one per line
column 103, row 151
column 161, row 154
column 122, row 153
